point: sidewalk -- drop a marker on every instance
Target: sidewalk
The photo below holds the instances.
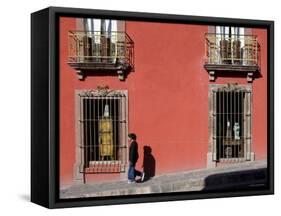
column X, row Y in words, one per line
column 247, row 174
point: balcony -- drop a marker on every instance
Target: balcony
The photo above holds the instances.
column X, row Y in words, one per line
column 233, row 55
column 100, row 53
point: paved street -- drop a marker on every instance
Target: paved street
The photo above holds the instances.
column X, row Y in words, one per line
column 249, row 174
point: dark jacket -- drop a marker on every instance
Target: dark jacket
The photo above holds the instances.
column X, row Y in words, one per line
column 133, row 152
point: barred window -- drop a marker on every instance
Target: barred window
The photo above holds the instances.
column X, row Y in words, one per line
column 231, row 122
column 102, row 130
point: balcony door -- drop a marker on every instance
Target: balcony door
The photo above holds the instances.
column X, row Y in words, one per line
column 230, row 41
column 101, row 39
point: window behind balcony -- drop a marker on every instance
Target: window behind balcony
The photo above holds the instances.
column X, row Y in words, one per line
column 100, row 40
column 231, row 43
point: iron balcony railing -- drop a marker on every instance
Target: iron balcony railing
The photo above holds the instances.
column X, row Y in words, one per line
column 235, row 49
column 96, row 48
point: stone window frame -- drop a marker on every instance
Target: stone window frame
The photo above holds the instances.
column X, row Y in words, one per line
column 211, row 155
column 79, row 174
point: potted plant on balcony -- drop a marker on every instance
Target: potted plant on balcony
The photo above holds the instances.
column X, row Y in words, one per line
column 87, row 47
column 236, row 50
column 248, row 53
column 225, row 50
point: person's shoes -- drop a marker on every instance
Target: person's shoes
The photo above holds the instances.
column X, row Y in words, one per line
column 142, row 176
column 131, row 182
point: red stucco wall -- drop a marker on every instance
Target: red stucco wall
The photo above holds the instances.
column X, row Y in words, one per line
column 260, row 100
column 167, row 94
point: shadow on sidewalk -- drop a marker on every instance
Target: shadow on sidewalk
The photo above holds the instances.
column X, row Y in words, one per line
column 149, row 163
column 248, row 179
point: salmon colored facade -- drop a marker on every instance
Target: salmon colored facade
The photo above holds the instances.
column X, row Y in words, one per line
column 168, row 104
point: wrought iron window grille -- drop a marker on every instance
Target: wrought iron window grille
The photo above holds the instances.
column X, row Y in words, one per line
column 102, row 131
column 230, row 128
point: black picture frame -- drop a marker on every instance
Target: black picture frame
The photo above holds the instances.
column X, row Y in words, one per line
column 45, row 106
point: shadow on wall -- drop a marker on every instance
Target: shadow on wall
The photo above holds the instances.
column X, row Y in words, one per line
column 240, row 74
column 248, row 179
column 149, row 163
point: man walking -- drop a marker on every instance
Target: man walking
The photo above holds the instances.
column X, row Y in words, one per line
column 133, row 158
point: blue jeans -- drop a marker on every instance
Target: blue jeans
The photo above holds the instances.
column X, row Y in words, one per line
column 132, row 172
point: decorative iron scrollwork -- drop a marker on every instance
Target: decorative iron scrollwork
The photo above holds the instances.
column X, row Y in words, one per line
column 101, row 91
